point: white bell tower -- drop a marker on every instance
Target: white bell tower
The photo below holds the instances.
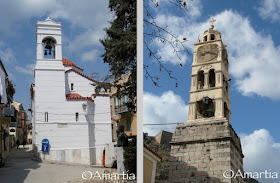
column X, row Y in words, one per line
column 48, row 41
column 49, row 71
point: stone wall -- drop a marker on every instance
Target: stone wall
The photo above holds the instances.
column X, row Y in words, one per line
column 202, row 152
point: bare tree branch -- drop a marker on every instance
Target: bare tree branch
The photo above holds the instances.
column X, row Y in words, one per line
column 156, row 32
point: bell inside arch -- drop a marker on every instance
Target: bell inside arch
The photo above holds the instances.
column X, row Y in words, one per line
column 48, row 45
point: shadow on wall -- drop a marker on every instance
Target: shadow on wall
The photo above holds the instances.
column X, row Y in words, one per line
column 18, row 166
column 91, row 132
column 180, row 171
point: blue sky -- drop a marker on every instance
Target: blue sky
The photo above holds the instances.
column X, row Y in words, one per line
column 82, row 27
column 251, row 30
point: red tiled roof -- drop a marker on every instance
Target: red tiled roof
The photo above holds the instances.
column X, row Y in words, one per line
column 81, row 75
column 152, row 151
column 75, row 96
column 69, row 63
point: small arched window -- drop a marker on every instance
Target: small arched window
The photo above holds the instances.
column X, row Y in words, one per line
column 212, row 37
column 212, row 79
column 49, row 47
column 200, row 80
column 205, row 38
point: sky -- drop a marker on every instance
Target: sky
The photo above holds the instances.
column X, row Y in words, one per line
column 251, row 30
column 82, row 27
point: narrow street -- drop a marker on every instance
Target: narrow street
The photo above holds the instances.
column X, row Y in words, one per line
column 20, row 168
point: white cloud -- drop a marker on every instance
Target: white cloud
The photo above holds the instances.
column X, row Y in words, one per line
column 88, row 17
column 88, row 38
column 87, row 14
column 28, row 69
column 7, row 56
column 90, row 55
column 253, row 56
column 276, row 145
column 260, row 153
column 176, row 26
column 167, row 108
column 270, row 9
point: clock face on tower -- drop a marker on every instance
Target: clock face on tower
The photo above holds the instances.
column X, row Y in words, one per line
column 207, row 53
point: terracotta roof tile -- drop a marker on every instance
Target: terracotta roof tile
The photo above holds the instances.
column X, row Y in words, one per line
column 152, row 151
column 69, row 63
column 76, row 96
column 81, row 75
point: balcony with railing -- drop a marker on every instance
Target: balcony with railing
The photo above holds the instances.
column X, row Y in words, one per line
column 119, row 109
column 10, row 111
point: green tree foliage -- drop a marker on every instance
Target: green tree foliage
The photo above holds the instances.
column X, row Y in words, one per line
column 129, row 156
column 120, row 47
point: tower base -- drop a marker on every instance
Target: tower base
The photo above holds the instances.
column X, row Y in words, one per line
column 205, row 152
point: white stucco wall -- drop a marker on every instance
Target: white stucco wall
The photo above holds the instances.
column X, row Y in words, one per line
column 82, row 85
column 3, row 93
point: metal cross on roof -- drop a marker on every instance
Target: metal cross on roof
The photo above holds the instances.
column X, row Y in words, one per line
column 212, row 22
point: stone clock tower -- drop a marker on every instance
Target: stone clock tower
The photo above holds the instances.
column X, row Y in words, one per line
column 206, row 146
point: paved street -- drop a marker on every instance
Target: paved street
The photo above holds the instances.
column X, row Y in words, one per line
column 20, row 168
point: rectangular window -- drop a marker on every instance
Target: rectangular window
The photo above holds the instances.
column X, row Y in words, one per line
column 77, row 116
column 72, row 86
column 125, row 99
column 46, row 117
column 128, row 124
column 119, row 102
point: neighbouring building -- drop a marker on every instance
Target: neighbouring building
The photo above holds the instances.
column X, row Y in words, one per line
column 205, row 146
column 65, row 108
column 121, row 116
column 6, row 97
column 29, row 131
column 151, row 158
column 164, row 137
column 18, row 117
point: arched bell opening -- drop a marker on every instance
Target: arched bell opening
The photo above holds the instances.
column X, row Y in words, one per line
column 200, row 80
column 49, row 47
column 212, row 79
column 205, row 108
